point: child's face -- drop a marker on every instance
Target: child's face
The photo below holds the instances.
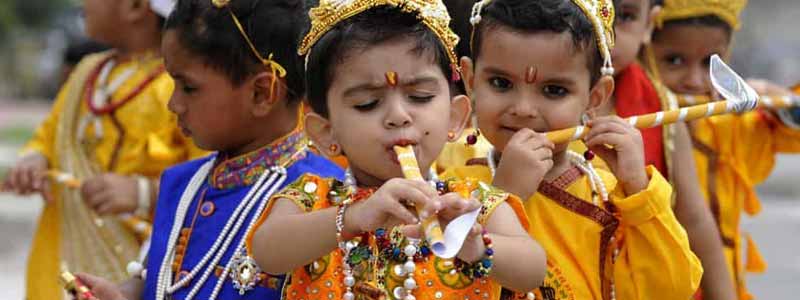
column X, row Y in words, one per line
column 538, row 81
column 210, row 108
column 368, row 114
column 682, row 54
column 633, row 28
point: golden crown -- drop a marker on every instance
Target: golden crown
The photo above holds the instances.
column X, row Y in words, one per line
column 599, row 12
column 433, row 14
column 727, row 10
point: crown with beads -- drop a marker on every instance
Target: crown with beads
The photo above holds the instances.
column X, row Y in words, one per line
column 599, row 12
column 433, row 14
column 727, row 10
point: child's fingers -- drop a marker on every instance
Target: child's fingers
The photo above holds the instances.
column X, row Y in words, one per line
column 418, row 194
column 613, row 139
column 605, row 127
column 455, row 206
column 413, row 231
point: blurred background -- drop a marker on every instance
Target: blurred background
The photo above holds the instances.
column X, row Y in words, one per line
column 39, row 38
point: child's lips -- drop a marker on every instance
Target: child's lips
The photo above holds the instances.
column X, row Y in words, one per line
column 400, row 142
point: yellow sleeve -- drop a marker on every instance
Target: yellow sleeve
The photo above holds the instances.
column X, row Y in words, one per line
column 760, row 136
column 655, row 261
column 45, row 135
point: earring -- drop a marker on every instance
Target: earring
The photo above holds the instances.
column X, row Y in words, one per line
column 472, row 138
column 451, row 135
column 333, row 148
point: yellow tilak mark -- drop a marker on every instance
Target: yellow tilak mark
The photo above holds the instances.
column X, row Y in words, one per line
column 391, row 78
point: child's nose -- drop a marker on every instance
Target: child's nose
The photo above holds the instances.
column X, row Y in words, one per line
column 524, row 108
column 398, row 115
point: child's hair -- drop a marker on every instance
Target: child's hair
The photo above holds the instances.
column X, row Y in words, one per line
column 274, row 27
column 706, row 20
column 526, row 16
column 372, row 27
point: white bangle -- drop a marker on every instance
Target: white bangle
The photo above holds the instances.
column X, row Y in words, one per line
column 143, row 204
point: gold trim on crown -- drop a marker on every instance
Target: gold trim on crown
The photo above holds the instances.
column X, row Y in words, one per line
column 433, row 14
column 599, row 12
column 727, row 10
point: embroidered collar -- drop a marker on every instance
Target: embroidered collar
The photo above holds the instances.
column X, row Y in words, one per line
column 244, row 169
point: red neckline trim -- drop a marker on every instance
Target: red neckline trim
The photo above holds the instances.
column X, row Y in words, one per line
column 88, row 92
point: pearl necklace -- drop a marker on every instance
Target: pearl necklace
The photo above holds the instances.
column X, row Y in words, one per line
column 410, row 250
column 271, row 180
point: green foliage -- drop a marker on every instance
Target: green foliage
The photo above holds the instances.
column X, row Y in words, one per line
column 33, row 14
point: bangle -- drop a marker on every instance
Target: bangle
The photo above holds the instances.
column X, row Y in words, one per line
column 143, row 203
column 483, row 266
column 340, row 210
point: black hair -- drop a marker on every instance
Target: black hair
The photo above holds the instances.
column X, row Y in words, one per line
column 372, row 27
column 656, row 2
column 459, row 11
column 526, row 16
column 274, row 27
column 705, row 20
column 76, row 50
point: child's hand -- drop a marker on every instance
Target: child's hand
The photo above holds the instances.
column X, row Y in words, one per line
column 101, row 288
column 111, row 193
column 626, row 155
column 474, row 248
column 386, row 208
column 453, row 206
column 29, row 175
column 527, row 157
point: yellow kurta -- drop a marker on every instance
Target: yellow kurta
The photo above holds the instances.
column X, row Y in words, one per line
column 733, row 154
column 144, row 141
column 654, row 260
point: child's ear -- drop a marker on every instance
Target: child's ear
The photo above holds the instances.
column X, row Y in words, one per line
column 651, row 24
column 468, row 73
column 460, row 110
column 135, row 10
column 318, row 128
column 601, row 92
column 268, row 90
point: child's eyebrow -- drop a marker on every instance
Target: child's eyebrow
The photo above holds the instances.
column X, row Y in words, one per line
column 497, row 71
column 364, row 87
column 419, row 80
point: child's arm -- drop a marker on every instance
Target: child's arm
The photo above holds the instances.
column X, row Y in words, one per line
column 694, row 214
column 290, row 237
column 519, row 261
column 527, row 157
column 655, row 256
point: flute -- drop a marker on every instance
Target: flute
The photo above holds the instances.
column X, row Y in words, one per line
column 765, row 101
column 430, row 225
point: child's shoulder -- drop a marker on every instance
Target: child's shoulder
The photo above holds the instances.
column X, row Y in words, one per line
column 183, row 172
column 314, row 165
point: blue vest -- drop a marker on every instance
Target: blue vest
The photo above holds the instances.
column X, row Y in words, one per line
column 207, row 228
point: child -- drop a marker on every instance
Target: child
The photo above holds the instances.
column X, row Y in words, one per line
column 110, row 128
column 378, row 76
column 668, row 148
column 733, row 152
column 607, row 234
column 238, row 92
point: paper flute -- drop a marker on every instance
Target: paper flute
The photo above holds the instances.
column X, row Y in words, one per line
column 765, row 101
column 741, row 98
column 430, row 225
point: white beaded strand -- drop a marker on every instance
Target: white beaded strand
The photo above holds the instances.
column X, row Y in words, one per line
column 241, row 247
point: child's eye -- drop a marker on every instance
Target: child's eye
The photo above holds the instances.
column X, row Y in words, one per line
column 674, row 60
column 554, row 91
column 187, row 89
column 421, row 98
column 501, row 84
column 366, row 106
column 627, row 17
